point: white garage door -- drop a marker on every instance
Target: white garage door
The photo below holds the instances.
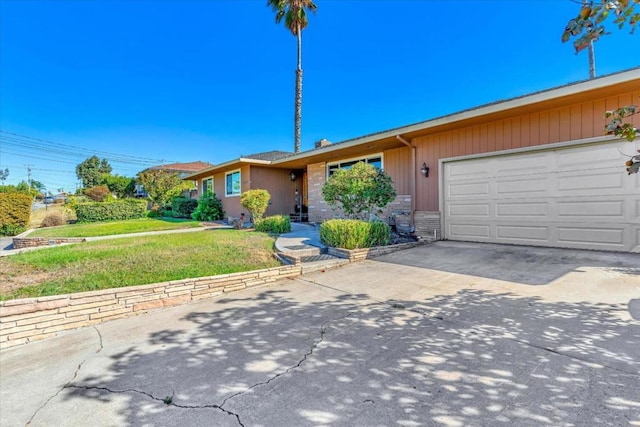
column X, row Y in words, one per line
column 578, row 197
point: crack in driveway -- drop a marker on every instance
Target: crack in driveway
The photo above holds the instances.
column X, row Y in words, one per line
column 323, row 328
column 75, row 374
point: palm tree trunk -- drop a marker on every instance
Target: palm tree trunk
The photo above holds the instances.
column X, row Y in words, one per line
column 298, row 101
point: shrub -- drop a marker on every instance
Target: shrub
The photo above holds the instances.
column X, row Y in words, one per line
column 276, row 224
column 98, row 193
column 112, row 211
column 256, row 202
column 53, row 219
column 15, row 213
column 183, row 207
column 353, row 234
column 361, row 191
column 209, row 209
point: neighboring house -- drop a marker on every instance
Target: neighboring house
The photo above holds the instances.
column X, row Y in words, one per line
column 534, row 170
column 183, row 170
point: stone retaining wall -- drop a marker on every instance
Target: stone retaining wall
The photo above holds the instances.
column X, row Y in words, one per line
column 360, row 254
column 32, row 242
column 30, row 319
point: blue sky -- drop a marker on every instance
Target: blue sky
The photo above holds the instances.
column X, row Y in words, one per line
column 142, row 82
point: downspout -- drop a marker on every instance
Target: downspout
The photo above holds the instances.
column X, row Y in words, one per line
column 412, row 183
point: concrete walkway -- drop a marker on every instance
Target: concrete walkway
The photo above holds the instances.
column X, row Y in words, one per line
column 448, row 334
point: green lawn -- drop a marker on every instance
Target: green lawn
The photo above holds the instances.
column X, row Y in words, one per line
column 133, row 261
column 115, row 227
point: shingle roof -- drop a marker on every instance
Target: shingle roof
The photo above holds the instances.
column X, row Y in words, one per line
column 184, row 167
column 268, row 155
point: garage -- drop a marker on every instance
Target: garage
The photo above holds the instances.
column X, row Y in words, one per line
column 570, row 196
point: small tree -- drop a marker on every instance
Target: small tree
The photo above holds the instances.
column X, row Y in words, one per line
column 121, row 186
column 360, row 191
column 161, row 186
column 91, row 171
column 98, row 193
column 256, row 202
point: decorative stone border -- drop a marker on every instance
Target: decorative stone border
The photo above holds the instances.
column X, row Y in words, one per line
column 31, row 319
column 354, row 255
column 33, row 242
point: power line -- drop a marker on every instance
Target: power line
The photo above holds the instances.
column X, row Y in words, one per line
column 16, row 137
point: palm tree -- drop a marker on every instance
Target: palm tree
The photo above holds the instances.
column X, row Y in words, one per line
column 294, row 13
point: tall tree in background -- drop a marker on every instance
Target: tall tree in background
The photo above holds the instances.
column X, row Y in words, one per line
column 294, row 13
column 92, row 170
column 4, row 174
column 587, row 28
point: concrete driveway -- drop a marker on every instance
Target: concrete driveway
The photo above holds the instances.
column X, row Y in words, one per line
column 450, row 334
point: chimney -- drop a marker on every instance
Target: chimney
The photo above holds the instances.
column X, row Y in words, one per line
column 322, row 143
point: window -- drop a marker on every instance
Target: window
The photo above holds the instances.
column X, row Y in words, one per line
column 232, row 187
column 207, row 186
column 375, row 160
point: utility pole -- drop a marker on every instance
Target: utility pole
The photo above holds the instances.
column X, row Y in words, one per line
column 29, row 175
column 592, row 53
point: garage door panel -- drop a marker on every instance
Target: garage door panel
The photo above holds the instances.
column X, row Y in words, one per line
column 471, row 169
column 469, row 210
column 522, row 209
column 523, row 233
column 592, row 236
column 521, row 165
column 590, row 181
column 469, row 189
column 470, row 231
column 575, row 197
column 600, row 210
column 532, row 186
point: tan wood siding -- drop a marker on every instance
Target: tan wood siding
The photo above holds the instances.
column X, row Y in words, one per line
column 397, row 164
column 563, row 123
column 279, row 186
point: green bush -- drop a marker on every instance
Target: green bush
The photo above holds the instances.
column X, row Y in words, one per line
column 111, row 211
column 256, row 202
column 209, row 209
column 353, row 233
column 183, row 207
column 276, row 224
column 15, row 213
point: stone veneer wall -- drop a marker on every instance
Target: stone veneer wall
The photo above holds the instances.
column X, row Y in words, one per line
column 426, row 223
column 33, row 242
column 320, row 211
column 30, row 319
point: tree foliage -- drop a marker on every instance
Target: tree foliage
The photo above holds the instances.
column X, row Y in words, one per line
column 256, row 202
column 361, row 191
column 588, row 26
column 92, row 170
column 4, row 174
column 121, row 186
column 161, row 186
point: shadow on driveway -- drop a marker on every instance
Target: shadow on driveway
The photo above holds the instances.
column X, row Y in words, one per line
column 467, row 359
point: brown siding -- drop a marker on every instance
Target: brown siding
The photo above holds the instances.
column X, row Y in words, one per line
column 397, row 164
column 565, row 123
column 279, row 186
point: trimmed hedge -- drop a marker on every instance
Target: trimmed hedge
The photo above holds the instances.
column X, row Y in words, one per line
column 183, row 207
column 276, row 224
column 354, row 233
column 111, row 211
column 15, row 213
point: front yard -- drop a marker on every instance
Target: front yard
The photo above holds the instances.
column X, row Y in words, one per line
column 133, row 261
column 115, row 227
